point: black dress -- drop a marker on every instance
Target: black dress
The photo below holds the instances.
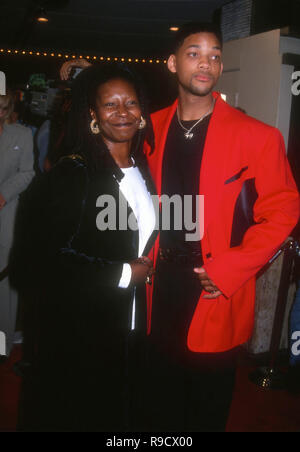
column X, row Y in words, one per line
column 86, row 371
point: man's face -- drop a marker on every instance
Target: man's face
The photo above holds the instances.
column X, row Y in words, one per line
column 198, row 63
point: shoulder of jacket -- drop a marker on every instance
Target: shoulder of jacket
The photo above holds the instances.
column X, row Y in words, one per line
column 19, row 129
column 69, row 167
column 68, row 175
column 161, row 113
column 72, row 159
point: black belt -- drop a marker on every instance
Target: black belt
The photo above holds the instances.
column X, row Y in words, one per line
column 175, row 256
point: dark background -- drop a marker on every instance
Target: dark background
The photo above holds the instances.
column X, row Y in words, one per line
column 126, row 27
column 118, row 28
column 160, row 84
column 129, row 29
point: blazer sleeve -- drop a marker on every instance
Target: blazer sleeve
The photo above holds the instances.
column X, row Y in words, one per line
column 276, row 213
column 68, row 190
column 16, row 184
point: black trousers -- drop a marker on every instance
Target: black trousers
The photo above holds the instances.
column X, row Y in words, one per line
column 187, row 391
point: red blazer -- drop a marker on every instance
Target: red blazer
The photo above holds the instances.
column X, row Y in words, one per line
column 237, row 148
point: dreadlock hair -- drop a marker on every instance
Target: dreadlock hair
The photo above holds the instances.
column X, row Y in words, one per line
column 195, row 27
column 78, row 137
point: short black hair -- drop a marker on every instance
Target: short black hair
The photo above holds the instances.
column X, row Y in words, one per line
column 195, row 27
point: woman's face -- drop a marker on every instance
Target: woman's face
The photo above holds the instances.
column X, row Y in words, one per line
column 117, row 112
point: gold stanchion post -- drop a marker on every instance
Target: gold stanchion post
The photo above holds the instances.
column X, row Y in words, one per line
column 271, row 377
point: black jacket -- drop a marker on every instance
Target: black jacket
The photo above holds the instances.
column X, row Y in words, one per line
column 83, row 317
column 60, row 252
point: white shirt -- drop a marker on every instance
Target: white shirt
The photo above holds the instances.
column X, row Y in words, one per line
column 134, row 189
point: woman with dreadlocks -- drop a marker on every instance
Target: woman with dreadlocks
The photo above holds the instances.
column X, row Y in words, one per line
column 96, row 225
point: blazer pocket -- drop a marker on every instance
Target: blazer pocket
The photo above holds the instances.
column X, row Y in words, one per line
column 236, row 176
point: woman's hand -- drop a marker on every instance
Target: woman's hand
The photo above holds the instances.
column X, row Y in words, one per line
column 66, row 68
column 141, row 269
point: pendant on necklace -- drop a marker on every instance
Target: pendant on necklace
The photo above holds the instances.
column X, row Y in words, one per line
column 188, row 135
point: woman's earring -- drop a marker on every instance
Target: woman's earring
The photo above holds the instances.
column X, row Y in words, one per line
column 143, row 123
column 94, row 127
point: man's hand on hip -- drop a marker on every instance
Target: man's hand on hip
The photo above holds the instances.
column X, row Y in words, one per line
column 207, row 284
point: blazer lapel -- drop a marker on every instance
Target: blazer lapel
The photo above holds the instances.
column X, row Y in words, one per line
column 155, row 160
column 213, row 162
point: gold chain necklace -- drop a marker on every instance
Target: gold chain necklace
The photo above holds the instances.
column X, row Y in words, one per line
column 188, row 135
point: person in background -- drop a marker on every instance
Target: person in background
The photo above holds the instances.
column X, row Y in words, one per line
column 14, row 117
column 39, row 127
column 16, row 173
column 50, row 134
column 54, row 130
column 42, row 144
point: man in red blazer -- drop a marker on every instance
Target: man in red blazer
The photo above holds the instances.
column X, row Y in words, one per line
column 201, row 302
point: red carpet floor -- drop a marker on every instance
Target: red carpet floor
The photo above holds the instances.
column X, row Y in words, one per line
column 253, row 409
column 9, row 392
column 259, row 410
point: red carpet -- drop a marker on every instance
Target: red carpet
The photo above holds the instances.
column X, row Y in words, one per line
column 253, row 409
column 258, row 410
column 9, row 392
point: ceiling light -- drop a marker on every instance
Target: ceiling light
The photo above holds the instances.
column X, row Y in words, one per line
column 42, row 16
column 174, row 28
